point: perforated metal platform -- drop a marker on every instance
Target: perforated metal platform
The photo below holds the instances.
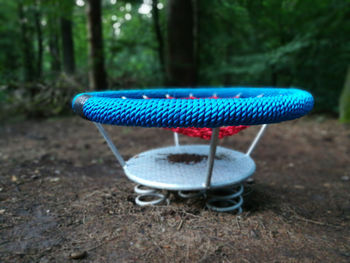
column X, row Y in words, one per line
column 154, row 169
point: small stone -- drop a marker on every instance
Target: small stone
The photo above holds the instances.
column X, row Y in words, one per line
column 54, row 179
column 327, row 185
column 297, row 186
column 107, row 196
column 14, row 178
column 250, row 180
column 2, row 211
column 78, row 255
column 254, row 234
column 345, row 178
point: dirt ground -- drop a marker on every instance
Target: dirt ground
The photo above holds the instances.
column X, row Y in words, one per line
column 62, row 192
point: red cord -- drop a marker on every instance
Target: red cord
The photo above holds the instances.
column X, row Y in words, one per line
column 205, row 133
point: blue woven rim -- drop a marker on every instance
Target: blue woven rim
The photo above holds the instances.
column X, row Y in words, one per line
column 254, row 106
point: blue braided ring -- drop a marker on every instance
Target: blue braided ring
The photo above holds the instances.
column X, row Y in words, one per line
column 234, row 106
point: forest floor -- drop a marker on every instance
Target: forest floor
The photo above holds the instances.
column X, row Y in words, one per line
column 62, row 192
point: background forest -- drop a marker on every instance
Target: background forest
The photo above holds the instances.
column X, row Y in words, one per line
column 52, row 49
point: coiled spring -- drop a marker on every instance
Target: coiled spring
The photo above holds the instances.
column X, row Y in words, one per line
column 144, row 193
column 219, row 200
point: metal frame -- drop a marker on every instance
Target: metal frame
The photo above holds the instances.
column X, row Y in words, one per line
column 233, row 201
column 256, row 139
column 110, row 144
column 212, row 151
column 213, row 144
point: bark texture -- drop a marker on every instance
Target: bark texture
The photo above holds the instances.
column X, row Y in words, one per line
column 97, row 72
column 39, row 35
column 68, row 42
column 181, row 66
column 159, row 37
column 27, row 46
column 344, row 106
column 54, row 47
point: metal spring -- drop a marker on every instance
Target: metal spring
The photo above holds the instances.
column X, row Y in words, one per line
column 220, row 200
column 145, row 192
column 226, row 199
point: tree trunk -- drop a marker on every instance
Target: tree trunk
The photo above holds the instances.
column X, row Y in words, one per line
column 67, row 40
column 181, row 59
column 97, row 73
column 344, row 106
column 27, row 47
column 159, row 36
column 53, row 38
column 54, row 49
column 39, row 34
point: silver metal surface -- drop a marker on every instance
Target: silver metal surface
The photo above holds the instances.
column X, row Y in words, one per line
column 158, row 199
column 153, row 169
column 140, row 189
column 256, row 139
column 213, row 143
column 176, row 139
column 110, row 144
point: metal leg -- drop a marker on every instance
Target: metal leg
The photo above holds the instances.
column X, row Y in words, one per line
column 256, row 139
column 213, row 144
column 110, row 144
column 176, row 139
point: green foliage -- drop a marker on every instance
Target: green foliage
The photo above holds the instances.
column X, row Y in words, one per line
column 303, row 43
column 131, row 59
column 279, row 43
column 10, row 59
column 38, row 99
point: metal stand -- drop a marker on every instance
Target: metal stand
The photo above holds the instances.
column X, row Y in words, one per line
column 224, row 171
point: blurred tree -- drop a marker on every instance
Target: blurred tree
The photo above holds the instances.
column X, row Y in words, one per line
column 97, row 73
column 159, row 36
column 54, row 38
column 181, row 59
column 10, row 43
column 39, row 34
column 26, row 43
column 345, row 100
column 67, row 7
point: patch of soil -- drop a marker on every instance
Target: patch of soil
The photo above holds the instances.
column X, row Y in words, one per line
column 190, row 158
column 63, row 196
column 186, row 158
